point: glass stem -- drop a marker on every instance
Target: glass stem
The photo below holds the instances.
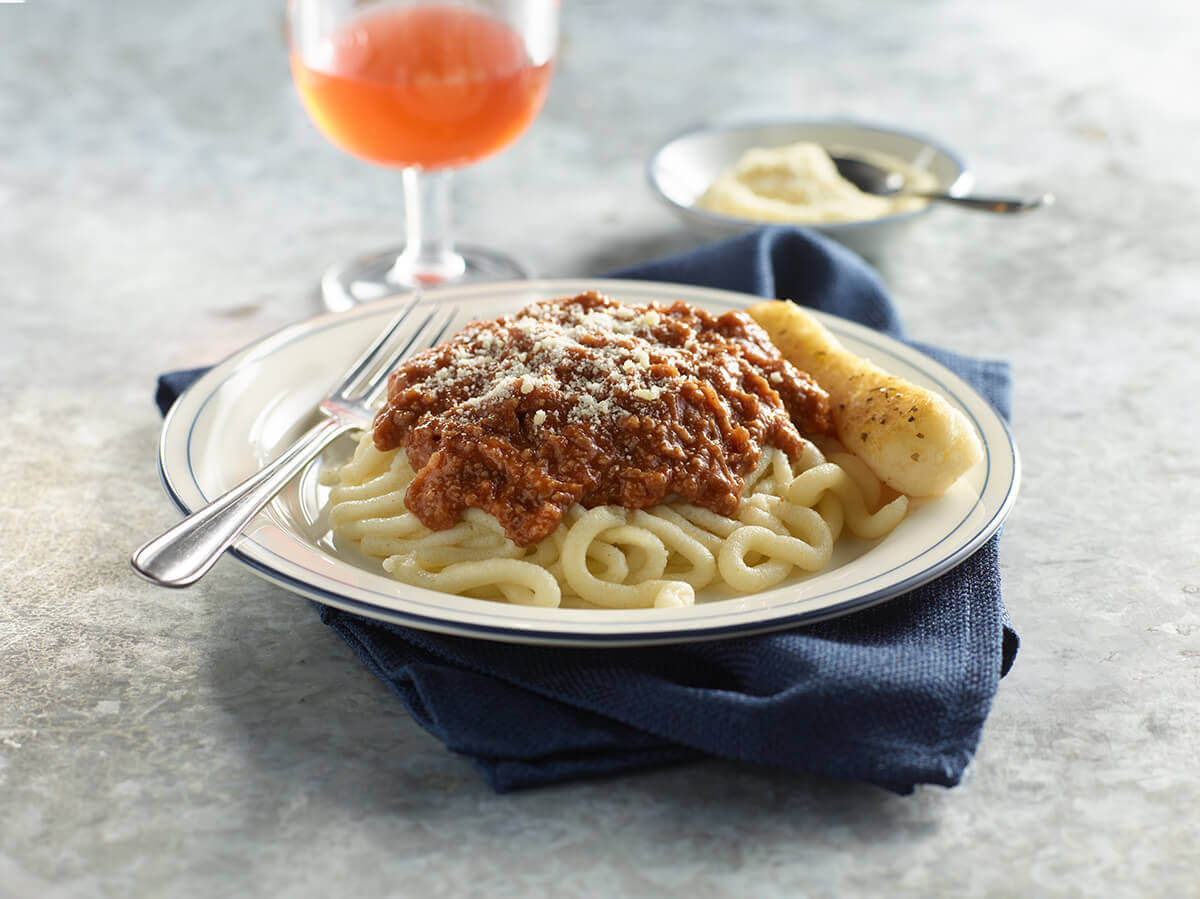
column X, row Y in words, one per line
column 428, row 256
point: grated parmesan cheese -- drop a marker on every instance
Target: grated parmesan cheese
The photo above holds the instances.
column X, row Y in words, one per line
column 598, row 360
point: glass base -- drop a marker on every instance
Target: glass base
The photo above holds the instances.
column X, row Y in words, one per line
column 375, row 276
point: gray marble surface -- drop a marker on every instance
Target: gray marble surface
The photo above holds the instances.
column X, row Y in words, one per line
column 163, row 200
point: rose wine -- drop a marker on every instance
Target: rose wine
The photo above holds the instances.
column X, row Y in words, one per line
column 431, row 86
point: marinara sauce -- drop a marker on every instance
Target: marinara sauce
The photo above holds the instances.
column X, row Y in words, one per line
column 587, row 400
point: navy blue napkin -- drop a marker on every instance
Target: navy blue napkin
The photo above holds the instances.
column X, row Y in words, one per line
column 895, row 695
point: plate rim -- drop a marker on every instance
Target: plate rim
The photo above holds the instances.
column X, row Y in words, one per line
column 563, row 632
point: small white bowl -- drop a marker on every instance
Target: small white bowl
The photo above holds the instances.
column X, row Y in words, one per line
column 683, row 168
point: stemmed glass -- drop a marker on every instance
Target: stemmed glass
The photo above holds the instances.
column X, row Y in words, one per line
column 425, row 87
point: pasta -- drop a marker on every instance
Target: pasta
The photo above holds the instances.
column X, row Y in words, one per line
column 790, row 515
column 586, row 453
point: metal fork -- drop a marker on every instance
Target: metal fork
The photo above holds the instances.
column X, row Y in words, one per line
column 183, row 554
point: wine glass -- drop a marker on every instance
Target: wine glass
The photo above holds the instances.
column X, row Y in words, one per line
column 425, row 87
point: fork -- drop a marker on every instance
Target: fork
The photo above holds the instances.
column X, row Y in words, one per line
column 183, row 554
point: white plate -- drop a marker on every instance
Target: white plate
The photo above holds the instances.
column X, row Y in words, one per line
column 246, row 408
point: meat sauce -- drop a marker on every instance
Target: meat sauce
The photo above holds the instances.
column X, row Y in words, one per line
column 587, row 400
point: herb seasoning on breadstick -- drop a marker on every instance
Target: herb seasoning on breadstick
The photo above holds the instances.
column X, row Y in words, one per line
column 912, row 438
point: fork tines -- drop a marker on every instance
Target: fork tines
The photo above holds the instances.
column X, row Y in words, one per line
column 370, row 375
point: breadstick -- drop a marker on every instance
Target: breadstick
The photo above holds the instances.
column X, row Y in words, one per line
column 914, row 441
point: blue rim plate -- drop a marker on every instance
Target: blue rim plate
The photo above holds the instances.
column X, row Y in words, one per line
column 249, row 406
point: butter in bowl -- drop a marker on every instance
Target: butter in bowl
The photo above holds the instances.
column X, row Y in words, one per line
column 725, row 179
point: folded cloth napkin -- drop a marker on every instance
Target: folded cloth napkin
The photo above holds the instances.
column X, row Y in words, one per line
column 894, row 695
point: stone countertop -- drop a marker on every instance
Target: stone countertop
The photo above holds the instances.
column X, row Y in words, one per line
column 163, row 200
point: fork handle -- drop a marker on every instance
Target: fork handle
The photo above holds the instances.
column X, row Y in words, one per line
column 183, row 554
